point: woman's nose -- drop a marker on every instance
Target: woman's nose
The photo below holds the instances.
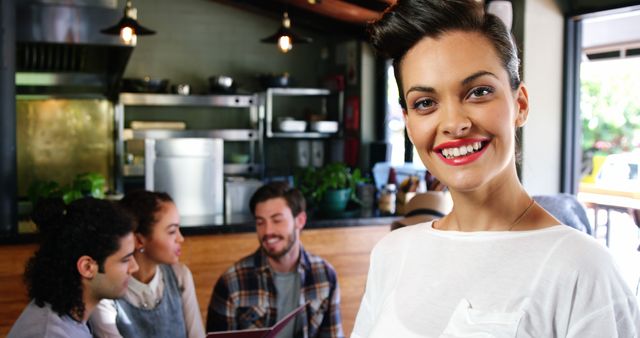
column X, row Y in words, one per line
column 455, row 122
column 180, row 238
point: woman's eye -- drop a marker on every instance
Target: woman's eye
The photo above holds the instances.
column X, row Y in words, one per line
column 480, row 92
column 424, row 104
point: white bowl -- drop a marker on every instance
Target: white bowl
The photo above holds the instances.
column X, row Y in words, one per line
column 293, row 126
column 324, row 126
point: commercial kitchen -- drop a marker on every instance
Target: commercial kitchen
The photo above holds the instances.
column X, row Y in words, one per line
column 211, row 97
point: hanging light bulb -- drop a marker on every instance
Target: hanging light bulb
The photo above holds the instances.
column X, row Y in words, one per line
column 284, row 43
column 128, row 27
column 127, row 35
column 285, row 37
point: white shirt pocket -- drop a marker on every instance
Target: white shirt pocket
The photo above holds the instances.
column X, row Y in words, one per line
column 471, row 323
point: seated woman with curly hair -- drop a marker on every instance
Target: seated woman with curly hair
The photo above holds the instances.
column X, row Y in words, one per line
column 161, row 299
column 85, row 255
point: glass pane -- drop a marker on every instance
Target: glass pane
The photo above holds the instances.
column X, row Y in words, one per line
column 394, row 123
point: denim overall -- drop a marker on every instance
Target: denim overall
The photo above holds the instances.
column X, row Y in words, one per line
column 165, row 320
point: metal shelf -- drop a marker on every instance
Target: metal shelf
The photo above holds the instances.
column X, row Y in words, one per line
column 133, row 170
column 266, row 100
column 234, row 101
column 226, row 134
column 301, row 135
column 298, row 91
column 240, row 169
column 253, row 136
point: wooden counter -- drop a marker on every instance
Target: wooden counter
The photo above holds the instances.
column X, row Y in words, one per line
column 347, row 249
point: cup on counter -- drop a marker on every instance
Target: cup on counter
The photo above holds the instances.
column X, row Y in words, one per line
column 181, row 89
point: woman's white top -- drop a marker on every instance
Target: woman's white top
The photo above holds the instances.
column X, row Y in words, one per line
column 146, row 296
column 553, row 282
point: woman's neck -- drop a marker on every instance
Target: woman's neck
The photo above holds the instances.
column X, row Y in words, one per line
column 147, row 268
column 494, row 208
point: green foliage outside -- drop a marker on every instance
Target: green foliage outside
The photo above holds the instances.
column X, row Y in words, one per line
column 610, row 105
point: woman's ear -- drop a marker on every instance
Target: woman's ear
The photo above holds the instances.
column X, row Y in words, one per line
column 522, row 106
column 87, row 267
column 140, row 241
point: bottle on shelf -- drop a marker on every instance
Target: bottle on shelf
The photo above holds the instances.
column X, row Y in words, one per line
column 387, row 197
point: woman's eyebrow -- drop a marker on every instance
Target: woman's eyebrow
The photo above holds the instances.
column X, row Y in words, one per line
column 421, row 89
column 476, row 75
column 467, row 80
column 172, row 225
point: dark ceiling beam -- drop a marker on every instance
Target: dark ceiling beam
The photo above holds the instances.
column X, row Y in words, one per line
column 337, row 9
column 300, row 17
column 374, row 5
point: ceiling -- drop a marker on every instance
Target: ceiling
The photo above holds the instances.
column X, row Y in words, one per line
column 345, row 17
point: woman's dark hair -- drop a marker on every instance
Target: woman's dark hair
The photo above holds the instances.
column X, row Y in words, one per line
column 88, row 227
column 143, row 206
column 407, row 22
column 293, row 197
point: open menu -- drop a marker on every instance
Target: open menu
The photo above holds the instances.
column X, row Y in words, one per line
column 270, row 332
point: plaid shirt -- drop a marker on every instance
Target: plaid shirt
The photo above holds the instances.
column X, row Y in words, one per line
column 245, row 297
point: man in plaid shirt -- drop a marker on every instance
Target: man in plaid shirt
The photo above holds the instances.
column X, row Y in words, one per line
column 265, row 286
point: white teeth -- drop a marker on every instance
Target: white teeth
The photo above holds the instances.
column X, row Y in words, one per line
column 462, row 150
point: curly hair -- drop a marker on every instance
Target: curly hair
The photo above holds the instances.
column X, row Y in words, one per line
column 88, row 227
column 143, row 205
column 294, row 198
column 407, row 22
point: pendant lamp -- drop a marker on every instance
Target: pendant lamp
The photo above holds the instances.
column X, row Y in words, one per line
column 128, row 27
column 285, row 37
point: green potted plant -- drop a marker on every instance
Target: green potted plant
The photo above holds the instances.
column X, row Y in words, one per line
column 331, row 187
column 86, row 184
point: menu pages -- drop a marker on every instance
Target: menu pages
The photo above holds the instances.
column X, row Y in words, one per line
column 270, row 332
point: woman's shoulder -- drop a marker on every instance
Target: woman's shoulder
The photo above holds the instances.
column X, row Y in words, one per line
column 398, row 239
column 180, row 269
column 182, row 272
column 578, row 251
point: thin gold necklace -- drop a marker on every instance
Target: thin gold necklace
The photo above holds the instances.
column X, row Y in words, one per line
column 512, row 224
column 522, row 214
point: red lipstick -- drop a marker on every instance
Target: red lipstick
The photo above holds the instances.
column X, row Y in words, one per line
column 465, row 159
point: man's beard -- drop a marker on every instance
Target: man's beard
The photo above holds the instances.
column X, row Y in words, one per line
column 277, row 255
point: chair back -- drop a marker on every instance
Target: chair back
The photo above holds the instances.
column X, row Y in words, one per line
column 567, row 209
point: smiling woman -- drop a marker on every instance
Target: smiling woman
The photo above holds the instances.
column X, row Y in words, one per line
column 457, row 74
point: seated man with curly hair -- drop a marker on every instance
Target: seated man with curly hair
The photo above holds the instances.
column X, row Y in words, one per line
column 85, row 255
